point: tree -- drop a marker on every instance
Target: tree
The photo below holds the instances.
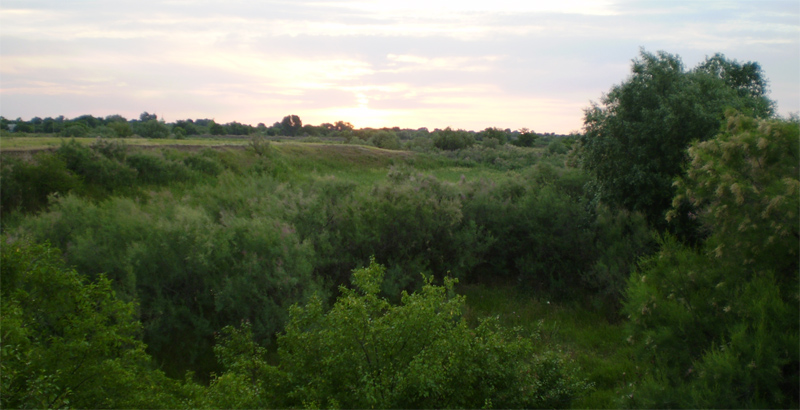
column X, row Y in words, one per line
column 216, row 129
column 121, row 128
column 67, row 342
column 146, row 116
column 495, row 133
column 451, row 140
column 152, row 129
column 720, row 323
column 291, row 125
column 188, row 126
column 526, row 138
column 635, row 140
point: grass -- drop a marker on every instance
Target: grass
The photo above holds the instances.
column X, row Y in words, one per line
column 8, row 143
column 587, row 337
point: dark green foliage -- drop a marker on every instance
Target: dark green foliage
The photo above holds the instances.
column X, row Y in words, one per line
column 451, row 140
column 193, row 274
column 99, row 168
column 157, row 170
column 216, row 129
column 291, row 125
column 204, row 162
column 556, row 147
column 75, row 130
column 152, row 129
column 385, row 139
column 26, row 185
column 67, row 342
column 496, row 134
column 413, row 223
column 366, row 352
column 121, row 128
column 636, row 138
column 188, row 127
column 541, row 235
column 526, row 138
column 721, row 323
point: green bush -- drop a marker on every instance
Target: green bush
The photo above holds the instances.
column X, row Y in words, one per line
column 720, row 323
column 451, row 140
column 156, row 170
column 68, row 342
column 367, row 353
column 204, row 163
column 385, row 139
column 26, row 185
column 191, row 272
column 102, row 175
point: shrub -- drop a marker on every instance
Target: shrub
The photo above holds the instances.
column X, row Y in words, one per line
column 101, row 174
column 735, row 296
column 26, row 186
column 366, row 352
column 448, row 139
column 68, row 342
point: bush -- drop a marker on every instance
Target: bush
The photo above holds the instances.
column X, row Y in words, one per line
column 68, row 342
column 192, row 273
column 385, row 139
column 101, row 174
column 26, row 186
column 450, row 140
column 735, row 296
column 367, row 353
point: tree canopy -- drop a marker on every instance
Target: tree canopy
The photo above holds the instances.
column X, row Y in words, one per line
column 635, row 139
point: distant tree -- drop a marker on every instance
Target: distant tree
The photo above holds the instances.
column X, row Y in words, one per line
column 495, row 133
column 526, row 138
column 115, row 118
column 636, row 138
column 153, row 129
column 216, row 129
column 236, row 128
column 291, row 125
column 121, row 128
column 385, row 139
column 343, row 126
column 75, row 130
column 451, row 140
column 22, row 126
column 188, row 126
column 146, row 116
column 89, row 120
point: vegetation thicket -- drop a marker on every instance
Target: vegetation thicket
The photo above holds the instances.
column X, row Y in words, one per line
column 648, row 262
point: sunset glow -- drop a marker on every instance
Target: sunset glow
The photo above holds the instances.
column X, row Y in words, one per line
column 470, row 64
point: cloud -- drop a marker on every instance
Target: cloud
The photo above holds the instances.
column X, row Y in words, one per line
column 467, row 64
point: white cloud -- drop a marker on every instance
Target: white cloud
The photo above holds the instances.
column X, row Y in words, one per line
column 468, row 64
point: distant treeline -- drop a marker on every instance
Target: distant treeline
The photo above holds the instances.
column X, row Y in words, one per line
column 150, row 126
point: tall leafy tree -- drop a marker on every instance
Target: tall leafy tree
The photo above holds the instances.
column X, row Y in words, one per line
column 291, row 125
column 636, row 137
column 720, row 324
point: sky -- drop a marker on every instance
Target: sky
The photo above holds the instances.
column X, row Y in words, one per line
column 374, row 63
